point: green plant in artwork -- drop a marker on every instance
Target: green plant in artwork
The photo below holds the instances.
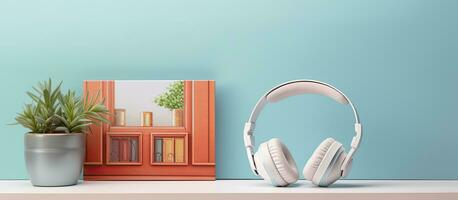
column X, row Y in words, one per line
column 53, row 112
column 173, row 98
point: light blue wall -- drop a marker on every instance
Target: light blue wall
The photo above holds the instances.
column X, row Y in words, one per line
column 397, row 60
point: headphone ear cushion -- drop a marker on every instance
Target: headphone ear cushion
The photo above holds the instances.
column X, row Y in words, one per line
column 335, row 172
column 283, row 160
column 314, row 162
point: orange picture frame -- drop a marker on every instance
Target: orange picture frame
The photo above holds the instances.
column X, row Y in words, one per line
column 198, row 133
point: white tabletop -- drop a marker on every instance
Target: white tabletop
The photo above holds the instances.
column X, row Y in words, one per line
column 234, row 189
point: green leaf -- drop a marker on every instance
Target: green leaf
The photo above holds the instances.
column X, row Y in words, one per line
column 173, row 98
column 51, row 111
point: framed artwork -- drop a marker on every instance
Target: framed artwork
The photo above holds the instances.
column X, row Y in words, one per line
column 158, row 130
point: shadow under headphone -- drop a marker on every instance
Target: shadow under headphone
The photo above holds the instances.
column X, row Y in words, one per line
column 273, row 161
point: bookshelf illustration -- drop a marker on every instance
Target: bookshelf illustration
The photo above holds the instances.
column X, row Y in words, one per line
column 151, row 136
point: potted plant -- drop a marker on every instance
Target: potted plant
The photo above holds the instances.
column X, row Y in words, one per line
column 173, row 99
column 55, row 142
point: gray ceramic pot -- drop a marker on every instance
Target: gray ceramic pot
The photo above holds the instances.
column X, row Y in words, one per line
column 54, row 159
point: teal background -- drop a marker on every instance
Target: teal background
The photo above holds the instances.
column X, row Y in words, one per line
column 397, row 60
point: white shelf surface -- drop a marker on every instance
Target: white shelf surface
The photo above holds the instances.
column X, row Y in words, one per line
column 233, row 189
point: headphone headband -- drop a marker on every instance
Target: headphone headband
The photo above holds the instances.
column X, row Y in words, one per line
column 293, row 88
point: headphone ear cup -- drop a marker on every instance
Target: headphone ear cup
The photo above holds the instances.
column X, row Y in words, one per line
column 260, row 166
column 334, row 172
column 275, row 163
column 283, row 160
column 348, row 168
column 323, row 168
column 315, row 160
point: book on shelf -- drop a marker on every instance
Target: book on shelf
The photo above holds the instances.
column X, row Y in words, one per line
column 158, row 150
column 125, row 150
column 114, row 150
column 168, row 150
column 179, row 150
column 134, row 149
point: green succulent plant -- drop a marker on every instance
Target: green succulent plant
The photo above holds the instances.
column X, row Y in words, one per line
column 54, row 112
column 77, row 114
column 173, row 98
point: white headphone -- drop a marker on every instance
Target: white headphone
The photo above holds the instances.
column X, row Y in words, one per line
column 274, row 162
